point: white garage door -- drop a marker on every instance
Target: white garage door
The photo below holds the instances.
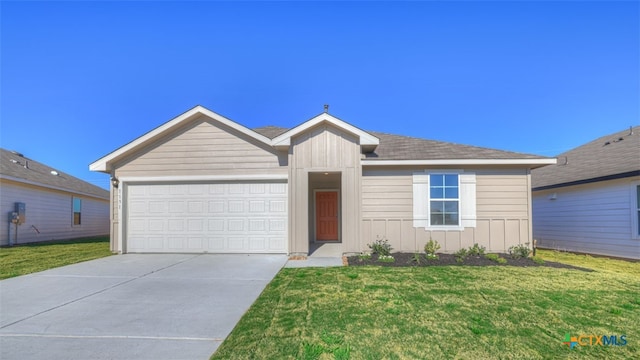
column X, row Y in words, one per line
column 235, row 217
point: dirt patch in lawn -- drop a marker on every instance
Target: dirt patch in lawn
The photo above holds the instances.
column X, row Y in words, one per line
column 407, row 259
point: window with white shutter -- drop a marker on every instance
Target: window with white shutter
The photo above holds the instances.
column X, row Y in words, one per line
column 444, row 200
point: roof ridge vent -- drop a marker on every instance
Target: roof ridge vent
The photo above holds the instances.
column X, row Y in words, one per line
column 17, row 153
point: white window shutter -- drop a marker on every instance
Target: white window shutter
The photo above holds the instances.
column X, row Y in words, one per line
column 420, row 199
column 467, row 200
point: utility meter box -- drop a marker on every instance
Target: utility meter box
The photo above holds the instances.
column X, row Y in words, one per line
column 21, row 213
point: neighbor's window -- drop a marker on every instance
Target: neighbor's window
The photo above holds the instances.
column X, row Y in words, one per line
column 444, row 198
column 77, row 209
column 638, row 207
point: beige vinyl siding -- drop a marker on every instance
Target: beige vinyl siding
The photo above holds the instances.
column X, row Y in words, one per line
column 200, row 148
column 502, row 203
column 324, row 148
column 593, row 218
column 50, row 212
column 204, row 148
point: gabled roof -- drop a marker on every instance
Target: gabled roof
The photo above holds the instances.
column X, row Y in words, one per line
column 102, row 164
column 612, row 156
column 365, row 139
column 379, row 148
column 16, row 167
column 397, row 149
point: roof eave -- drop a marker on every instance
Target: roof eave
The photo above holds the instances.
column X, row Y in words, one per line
column 52, row 187
column 366, row 140
column 104, row 163
column 531, row 163
column 623, row 175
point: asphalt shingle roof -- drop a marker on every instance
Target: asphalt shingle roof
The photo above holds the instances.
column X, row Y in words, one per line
column 19, row 167
column 610, row 155
column 398, row 147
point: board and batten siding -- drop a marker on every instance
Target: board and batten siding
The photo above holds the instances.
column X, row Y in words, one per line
column 596, row 218
column 324, row 148
column 502, row 211
column 51, row 213
column 204, row 147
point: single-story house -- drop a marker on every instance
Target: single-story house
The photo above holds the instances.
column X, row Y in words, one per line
column 40, row 203
column 590, row 201
column 204, row 183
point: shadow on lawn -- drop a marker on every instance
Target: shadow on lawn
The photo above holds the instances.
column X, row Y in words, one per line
column 97, row 239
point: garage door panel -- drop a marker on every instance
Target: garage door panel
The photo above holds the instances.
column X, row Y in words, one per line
column 216, row 225
column 220, row 217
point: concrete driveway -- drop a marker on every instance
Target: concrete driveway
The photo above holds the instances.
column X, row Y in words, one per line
column 131, row 306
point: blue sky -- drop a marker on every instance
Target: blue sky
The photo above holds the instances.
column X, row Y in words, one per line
column 80, row 79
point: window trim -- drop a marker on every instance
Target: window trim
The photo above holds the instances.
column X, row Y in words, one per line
column 457, row 200
column 73, row 211
column 467, row 210
column 635, row 209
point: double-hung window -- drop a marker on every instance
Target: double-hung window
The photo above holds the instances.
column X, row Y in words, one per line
column 77, row 211
column 444, row 203
column 637, row 211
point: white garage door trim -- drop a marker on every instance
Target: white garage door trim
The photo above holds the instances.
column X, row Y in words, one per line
column 211, row 217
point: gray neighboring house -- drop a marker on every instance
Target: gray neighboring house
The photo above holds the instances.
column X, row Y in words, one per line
column 590, row 201
column 204, row 183
column 56, row 205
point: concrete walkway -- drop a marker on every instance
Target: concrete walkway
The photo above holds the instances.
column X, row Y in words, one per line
column 131, row 306
column 321, row 255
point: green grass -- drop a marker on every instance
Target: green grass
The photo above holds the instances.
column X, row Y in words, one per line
column 30, row 258
column 442, row 312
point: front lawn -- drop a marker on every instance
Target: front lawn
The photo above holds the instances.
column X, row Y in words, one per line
column 30, row 258
column 444, row 312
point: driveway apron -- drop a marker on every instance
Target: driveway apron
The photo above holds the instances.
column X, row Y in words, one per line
column 151, row 306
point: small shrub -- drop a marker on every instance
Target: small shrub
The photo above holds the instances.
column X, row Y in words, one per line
column 381, row 247
column 416, row 258
column 496, row 258
column 476, row 250
column 461, row 255
column 364, row 256
column 386, row 258
column 520, row 251
column 430, row 249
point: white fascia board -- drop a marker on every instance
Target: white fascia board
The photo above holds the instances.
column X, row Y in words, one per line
column 189, row 178
column 462, row 162
column 101, row 164
column 285, row 139
column 51, row 187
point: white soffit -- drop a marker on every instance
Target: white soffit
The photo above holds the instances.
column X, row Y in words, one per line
column 102, row 163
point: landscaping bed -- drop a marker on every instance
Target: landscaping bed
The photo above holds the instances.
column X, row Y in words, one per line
column 409, row 259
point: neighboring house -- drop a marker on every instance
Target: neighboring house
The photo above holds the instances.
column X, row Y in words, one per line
column 203, row 183
column 55, row 205
column 590, row 201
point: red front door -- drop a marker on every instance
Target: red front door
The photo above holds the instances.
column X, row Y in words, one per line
column 327, row 215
